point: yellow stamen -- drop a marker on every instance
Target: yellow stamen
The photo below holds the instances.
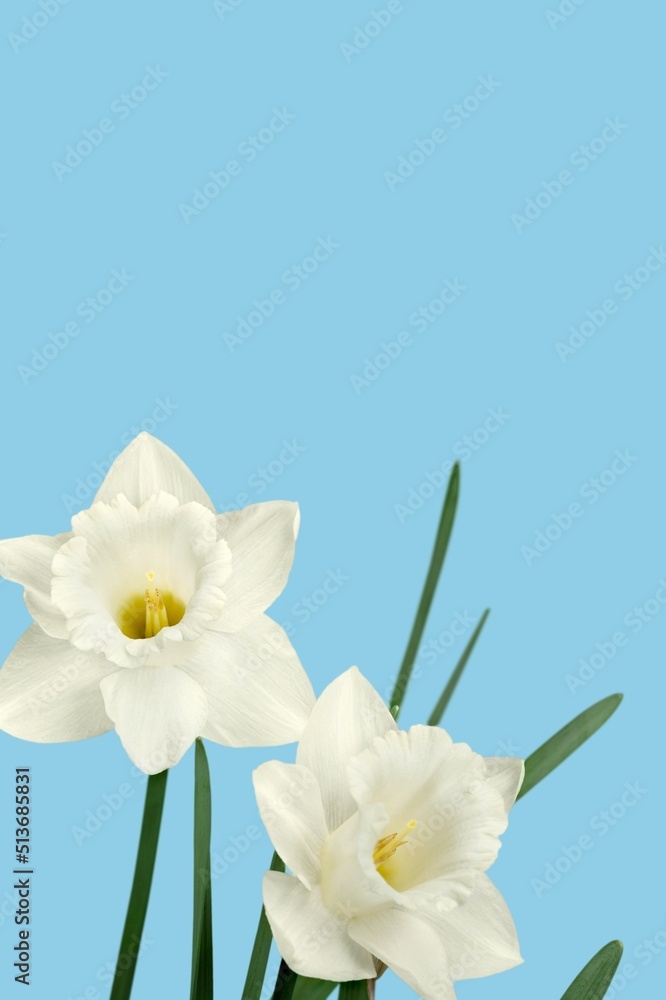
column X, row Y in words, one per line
column 142, row 615
column 387, row 846
column 156, row 613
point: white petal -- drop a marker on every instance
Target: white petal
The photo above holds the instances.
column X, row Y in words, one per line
column 48, row 616
column 411, row 947
column 350, row 882
column 422, row 776
column 50, row 691
column 158, row 712
column 148, row 466
column 479, row 936
column 344, row 721
column 104, row 566
column 258, row 692
column 506, row 774
column 28, row 561
column 290, row 806
column 262, row 538
column 313, row 941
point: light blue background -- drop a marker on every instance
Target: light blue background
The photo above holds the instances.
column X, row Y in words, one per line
column 163, row 339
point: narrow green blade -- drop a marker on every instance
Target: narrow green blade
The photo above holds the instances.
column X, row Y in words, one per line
column 447, row 693
column 593, row 982
column 320, row 989
column 544, row 760
column 313, row 989
column 430, row 586
column 140, row 894
column 355, row 990
column 256, row 972
column 202, row 933
column 285, row 983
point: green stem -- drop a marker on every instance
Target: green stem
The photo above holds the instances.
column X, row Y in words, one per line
column 447, row 693
column 202, row 933
column 130, row 942
column 256, row 972
column 355, row 990
column 285, row 983
column 436, row 562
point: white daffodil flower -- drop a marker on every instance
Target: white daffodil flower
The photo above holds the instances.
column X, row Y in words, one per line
column 388, row 835
column 149, row 618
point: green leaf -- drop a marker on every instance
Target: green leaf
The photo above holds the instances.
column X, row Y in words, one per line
column 447, row 693
column 355, row 990
column 313, row 989
column 320, row 989
column 140, row 894
column 202, row 932
column 285, row 982
column 544, row 760
column 436, row 562
column 593, row 982
column 256, row 972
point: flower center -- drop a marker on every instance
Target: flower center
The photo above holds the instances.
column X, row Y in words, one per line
column 386, row 847
column 142, row 616
column 156, row 612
